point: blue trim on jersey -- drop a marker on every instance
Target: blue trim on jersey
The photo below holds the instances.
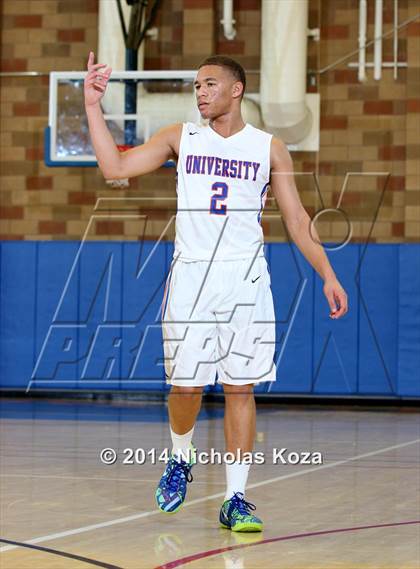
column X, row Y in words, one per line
column 264, row 191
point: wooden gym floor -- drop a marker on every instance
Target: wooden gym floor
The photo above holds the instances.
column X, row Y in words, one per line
column 62, row 508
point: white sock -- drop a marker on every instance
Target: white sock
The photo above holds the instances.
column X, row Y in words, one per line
column 181, row 445
column 236, row 478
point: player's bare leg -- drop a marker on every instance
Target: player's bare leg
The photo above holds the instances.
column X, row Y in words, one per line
column 240, row 426
column 184, row 405
column 240, row 417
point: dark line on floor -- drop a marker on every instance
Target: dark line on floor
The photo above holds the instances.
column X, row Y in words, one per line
column 62, row 554
column 209, row 553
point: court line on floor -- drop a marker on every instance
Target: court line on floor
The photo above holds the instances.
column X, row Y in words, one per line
column 95, row 478
column 212, row 552
column 63, row 554
column 135, row 517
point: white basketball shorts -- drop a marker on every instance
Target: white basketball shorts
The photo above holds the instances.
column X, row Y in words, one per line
column 218, row 318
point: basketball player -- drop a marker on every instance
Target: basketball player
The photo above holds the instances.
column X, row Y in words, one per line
column 217, row 312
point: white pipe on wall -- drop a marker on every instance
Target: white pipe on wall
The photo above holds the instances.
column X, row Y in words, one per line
column 228, row 21
column 362, row 39
column 377, row 52
column 111, row 48
column 283, row 69
column 395, row 39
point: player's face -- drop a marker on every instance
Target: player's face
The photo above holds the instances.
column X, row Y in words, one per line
column 215, row 91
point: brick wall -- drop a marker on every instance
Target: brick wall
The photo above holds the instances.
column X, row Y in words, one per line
column 370, row 127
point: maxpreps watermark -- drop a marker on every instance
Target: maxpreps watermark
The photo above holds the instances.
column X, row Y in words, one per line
column 153, row 456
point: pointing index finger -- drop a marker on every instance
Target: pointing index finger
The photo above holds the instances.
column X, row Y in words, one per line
column 96, row 66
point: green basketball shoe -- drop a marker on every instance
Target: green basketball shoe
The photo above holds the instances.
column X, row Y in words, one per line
column 235, row 515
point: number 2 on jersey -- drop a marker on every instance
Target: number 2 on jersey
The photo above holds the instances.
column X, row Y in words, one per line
column 215, row 206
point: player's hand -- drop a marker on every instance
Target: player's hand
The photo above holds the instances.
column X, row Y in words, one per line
column 96, row 80
column 337, row 298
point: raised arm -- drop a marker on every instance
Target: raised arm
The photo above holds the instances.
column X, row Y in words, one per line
column 142, row 159
column 299, row 226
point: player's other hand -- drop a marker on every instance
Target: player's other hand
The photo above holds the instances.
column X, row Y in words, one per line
column 336, row 297
column 96, row 80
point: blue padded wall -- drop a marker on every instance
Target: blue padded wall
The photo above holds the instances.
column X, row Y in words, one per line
column 408, row 353
column 76, row 316
column 18, row 309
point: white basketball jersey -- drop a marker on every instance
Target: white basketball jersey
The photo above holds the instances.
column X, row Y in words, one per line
column 222, row 185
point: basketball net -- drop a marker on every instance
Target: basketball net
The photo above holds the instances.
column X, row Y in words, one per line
column 121, row 182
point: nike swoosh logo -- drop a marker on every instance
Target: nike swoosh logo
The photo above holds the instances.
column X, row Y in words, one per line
column 256, row 279
column 191, row 133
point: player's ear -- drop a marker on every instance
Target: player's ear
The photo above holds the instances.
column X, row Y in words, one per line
column 237, row 89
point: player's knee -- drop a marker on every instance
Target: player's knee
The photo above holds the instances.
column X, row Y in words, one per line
column 238, row 393
column 188, row 394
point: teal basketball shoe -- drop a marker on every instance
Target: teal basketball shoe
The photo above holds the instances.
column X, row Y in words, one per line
column 235, row 515
column 172, row 488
